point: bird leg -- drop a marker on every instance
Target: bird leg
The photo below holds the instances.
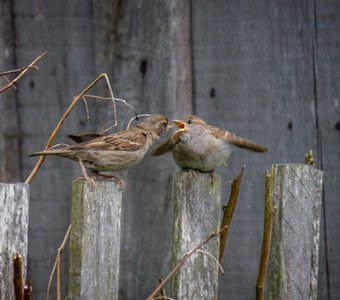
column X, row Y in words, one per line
column 100, row 176
column 85, row 176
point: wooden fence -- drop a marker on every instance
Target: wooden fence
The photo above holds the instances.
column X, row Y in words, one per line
column 95, row 235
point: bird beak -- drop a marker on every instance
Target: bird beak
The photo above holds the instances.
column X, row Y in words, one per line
column 180, row 124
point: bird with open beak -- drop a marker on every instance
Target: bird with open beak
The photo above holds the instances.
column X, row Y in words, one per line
column 199, row 146
column 115, row 152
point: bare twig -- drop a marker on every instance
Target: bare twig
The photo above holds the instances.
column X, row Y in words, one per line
column 62, row 120
column 17, row 277
column 267, row 234
column 136, row 117
column 183, row 260
column 57, row 265
column 116, row 99
column 17, row 70
column 162, row 291
column 113, row 101
column 229, row 211
column 24, row 70
column 214, row 258
column 87, row 110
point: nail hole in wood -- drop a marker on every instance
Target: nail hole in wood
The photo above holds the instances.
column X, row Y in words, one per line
column 212, row 92
column 143, row 66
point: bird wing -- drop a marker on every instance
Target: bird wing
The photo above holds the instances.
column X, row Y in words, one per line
column 84, row 137
column 168, row 144
column 243, row 143
column 232, row 138
column 129, row 140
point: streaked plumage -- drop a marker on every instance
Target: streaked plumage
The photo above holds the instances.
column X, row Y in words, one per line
column 115, row 152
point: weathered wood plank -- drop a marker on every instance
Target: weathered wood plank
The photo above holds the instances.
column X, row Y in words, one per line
column 147, row 56
column 293, row 263
column 197, row 213
column 10, row 159
column 327, row 64
column 14, row 202
column 95, row 240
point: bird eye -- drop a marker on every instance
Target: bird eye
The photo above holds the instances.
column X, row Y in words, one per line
column 189, row 121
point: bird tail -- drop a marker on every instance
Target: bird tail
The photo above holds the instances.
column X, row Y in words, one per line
column 59, row 152
column 244, row 143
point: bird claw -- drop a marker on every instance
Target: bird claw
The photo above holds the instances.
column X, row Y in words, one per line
column 91, row 180
column 111, row 177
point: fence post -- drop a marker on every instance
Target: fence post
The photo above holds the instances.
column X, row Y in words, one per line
column 197, row 213
column 14, row 200
column 95, row 240
column 293, row 262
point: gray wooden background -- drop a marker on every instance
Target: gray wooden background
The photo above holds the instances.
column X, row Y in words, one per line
column 267, row 70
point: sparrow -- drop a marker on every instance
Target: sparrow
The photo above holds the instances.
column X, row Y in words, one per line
column 115, row 152
column 199, row 146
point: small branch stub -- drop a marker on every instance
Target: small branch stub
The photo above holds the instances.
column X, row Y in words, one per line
column 267, row 233
column 229, row 211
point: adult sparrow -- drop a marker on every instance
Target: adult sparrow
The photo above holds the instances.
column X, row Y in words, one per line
column 200, row 146
column 115, row 152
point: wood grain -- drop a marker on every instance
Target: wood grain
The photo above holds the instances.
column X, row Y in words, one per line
column 294, row 253
column 95, row 240
column 14, row 204
column 197, row 213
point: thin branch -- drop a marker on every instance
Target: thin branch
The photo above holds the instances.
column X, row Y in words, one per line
column 183, row 260
column 113, row 101
column 136, row 117
column 214, row 258
column 17, row 70
column 57, row 265
column 229, row 211
column 17, row 277
column 60, row 123
column 116, row 99
column 15, row 80
column 267, row 235
column 87, row 110
column 162, row 291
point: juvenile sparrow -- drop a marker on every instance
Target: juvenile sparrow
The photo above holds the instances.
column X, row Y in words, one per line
column 200, row 146
column 115, row 152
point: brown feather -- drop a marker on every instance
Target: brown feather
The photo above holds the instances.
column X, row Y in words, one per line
column 128, row 140
column 84, row 137
column 243, row 143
